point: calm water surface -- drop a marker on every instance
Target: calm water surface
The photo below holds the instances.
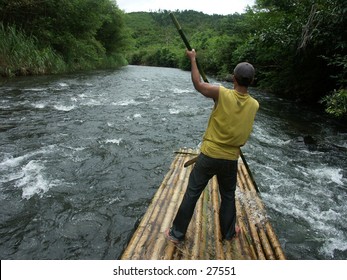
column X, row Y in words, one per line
column 82, row 155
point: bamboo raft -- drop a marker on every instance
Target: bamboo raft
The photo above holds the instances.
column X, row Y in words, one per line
column 256, row 241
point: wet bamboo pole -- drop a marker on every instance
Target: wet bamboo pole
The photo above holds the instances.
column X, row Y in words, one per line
column 247, row 248
column 274, row 241
column 265, row 244
column 251, row 222
column 217, row 230
column 197, row 235
column 210, row 249
column 270, row 234
column 204, row 229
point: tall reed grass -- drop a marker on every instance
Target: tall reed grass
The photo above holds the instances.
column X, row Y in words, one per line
column 21, row 55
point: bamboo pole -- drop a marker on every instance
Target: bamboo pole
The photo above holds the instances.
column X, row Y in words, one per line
column 265, row 244
column 169, row 251
column 247, row 179
column 197, row 235
column 246, row 243
column 156, row 217
column 210, row 252
column 228, row 251
column 217, row 230
column 251, row 222
column 274, row 241
column 203, row 246
column 187, row 253
column 256, row 242
column 186, row 43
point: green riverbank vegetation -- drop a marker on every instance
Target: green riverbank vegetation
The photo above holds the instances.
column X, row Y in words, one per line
column 297, row 46
column 56, row 36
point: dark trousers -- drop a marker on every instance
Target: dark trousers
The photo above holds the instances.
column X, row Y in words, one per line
column 205, row 168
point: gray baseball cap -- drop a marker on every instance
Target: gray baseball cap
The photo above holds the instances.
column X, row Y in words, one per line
column 244, row 73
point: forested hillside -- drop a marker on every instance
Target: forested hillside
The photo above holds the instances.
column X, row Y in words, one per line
column 297, row 46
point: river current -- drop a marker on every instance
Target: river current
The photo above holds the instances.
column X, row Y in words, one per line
column 82, row 155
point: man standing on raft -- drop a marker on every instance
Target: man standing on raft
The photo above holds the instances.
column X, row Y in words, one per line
column 228, row 129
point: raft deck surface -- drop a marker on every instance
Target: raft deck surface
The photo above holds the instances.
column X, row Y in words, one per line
column 257, row 239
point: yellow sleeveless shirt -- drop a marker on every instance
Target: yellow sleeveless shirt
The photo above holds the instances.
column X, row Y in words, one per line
column 230, row 124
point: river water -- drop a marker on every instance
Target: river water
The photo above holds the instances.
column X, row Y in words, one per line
column 82, row 155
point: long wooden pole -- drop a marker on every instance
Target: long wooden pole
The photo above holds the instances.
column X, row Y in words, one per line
column 202, row 73
column 184, row 38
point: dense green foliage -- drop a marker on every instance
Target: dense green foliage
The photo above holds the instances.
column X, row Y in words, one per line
column 299, row 45
column 74, row 34
column 23, row 56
